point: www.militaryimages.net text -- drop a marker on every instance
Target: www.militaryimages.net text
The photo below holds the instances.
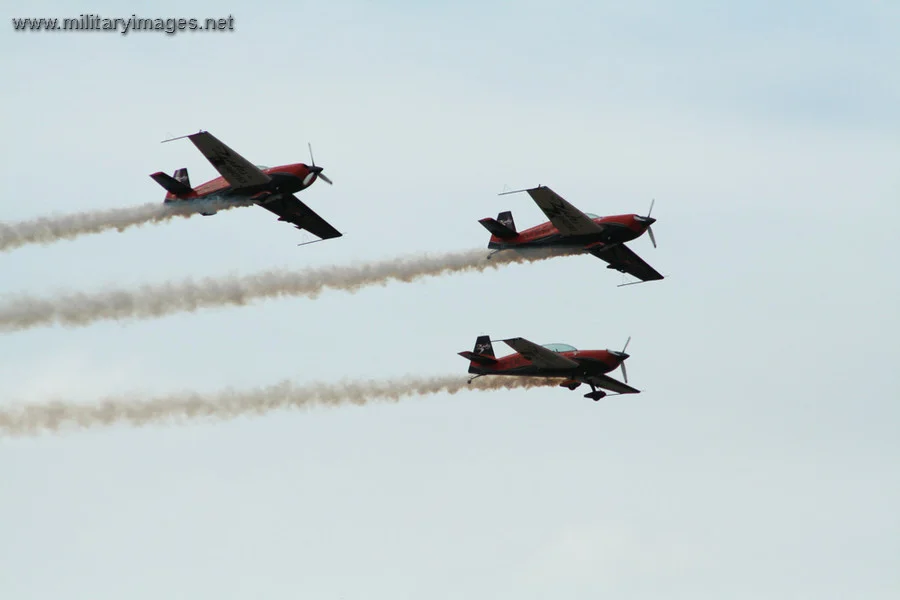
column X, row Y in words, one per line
column 94, row 22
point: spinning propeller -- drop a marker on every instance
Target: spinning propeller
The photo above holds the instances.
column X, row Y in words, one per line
column 649, row 221
column 314, row 170
column 621, row 354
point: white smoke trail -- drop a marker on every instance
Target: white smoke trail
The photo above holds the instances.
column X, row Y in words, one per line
column 151, row 301
column 46, row 230
column 54, row 416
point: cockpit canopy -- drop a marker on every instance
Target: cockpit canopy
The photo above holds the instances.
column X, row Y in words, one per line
column 261, row 167
column 560, row 347
column 592, row 215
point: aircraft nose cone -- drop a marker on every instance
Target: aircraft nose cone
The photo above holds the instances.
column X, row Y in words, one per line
column 311, row 173
column 618, row 354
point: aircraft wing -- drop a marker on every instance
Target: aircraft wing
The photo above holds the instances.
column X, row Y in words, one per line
column 565, row 217
column 608, row 383
column 622, row 257
column 540, row 356
column 237, row 170
column 289, row 208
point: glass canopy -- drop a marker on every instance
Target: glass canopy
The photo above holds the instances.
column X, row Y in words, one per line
column 592, row 215
column 560, row 347
column 261, row 167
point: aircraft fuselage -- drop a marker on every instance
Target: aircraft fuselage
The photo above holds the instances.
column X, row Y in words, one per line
column 617, row 229
column 590, row 362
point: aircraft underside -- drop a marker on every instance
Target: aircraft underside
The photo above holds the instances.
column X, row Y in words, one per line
column 611, row 234
column 574, row 377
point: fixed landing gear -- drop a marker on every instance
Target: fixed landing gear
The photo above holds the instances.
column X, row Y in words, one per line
column 471, row 379
column 595, row 394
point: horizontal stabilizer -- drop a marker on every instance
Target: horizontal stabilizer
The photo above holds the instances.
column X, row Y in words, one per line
column 171, row 184
column 479, row 358
column 497, row 228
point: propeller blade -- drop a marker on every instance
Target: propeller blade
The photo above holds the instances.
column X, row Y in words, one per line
column 652, row 237
column 652, row 202
column 324, row 178
column 312, row 160
column 628, row 341
column 624, row 372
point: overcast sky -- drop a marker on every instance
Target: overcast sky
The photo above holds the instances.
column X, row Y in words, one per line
column 761, row 459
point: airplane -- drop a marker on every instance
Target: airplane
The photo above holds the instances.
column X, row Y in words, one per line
column 272, row 188
column 604, row 237
column 552, row 361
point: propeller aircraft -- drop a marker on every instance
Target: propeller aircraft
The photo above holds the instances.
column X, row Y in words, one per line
column 604, row 237
column 552, row 361
column 242, row 182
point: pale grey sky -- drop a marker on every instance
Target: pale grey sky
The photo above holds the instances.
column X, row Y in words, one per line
column 761, row 459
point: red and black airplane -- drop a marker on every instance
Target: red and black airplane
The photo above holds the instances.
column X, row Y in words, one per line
column 242, row 182
column 604, row 237
column 552, row 361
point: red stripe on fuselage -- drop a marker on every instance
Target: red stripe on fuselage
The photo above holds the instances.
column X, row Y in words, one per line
column 219, row 185
column 623, row 228
column 596, row 361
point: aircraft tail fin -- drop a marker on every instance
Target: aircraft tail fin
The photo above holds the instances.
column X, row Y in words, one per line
column 178, row 185
column 483, row 346
column 483, row 353
column 503, row 226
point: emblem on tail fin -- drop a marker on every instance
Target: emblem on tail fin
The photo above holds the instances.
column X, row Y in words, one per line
column 506, row 219
column 182, row 176
column 482, row 354
column 483, row 346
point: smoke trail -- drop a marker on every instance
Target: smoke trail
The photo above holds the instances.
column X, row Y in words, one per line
column 158, row 300
column 229, row 404
column 46, row 230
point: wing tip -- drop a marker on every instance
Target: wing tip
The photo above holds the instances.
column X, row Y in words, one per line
column 181, row 137
column 531, row 189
